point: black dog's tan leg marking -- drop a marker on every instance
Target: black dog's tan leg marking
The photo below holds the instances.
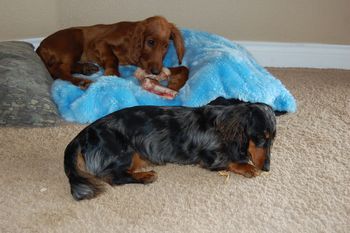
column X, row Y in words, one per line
column 128, row 175
column 142, row 177
column 138, row 163
column 81, row 162
column 145, row 177
column 244, row 169
column 258, row 154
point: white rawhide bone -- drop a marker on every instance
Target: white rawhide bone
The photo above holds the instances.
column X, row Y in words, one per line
column 150, row 82
column 164, row 75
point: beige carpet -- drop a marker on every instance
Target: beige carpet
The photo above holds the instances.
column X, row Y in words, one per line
column 307, row 190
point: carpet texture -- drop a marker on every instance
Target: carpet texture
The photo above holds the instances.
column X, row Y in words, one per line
column 307, row 189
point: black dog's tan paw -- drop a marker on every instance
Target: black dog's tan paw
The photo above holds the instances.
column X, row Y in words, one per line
column 145, row 177
column 251, row 172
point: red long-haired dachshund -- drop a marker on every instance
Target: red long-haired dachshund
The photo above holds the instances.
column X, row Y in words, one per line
column 115, row 147
column 142, row 43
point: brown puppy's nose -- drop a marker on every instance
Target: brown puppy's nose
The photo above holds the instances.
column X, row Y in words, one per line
column 155, row 71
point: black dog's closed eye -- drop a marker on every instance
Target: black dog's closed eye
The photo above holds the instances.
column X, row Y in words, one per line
column 114, row 148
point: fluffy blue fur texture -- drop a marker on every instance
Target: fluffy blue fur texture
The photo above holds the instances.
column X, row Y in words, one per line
column 218, row 67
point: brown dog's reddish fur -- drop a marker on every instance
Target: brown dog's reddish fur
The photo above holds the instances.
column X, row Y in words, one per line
column 142, row 43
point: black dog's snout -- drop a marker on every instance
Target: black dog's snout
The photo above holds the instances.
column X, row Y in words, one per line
column 266, row 166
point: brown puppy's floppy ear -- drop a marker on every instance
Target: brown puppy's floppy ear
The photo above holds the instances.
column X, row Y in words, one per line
column 176, row 36
column 137, row 40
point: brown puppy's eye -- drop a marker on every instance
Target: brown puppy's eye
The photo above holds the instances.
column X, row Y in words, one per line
column 151, row 43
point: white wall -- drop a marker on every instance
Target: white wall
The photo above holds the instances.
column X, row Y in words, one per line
column 312, row 21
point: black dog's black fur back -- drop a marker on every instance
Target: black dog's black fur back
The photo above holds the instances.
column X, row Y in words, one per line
column 213, row 136
column 223, row 101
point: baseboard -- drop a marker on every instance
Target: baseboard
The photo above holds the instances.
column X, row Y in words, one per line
column 271, row 54
column 34, row 41
column 299, row 54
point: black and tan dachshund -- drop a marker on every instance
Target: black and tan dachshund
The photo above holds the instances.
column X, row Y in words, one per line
column 115, row 147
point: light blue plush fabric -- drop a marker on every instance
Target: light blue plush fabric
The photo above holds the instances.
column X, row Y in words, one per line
column 218, row 67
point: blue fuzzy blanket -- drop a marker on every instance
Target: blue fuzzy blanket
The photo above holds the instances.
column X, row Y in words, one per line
column 218, row 67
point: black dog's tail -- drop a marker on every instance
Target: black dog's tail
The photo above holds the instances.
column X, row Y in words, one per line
column 83, row 184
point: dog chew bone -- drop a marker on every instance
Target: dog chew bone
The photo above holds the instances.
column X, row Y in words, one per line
column 150, row 83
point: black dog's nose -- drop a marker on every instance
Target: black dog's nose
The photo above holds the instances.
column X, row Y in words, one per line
column 266, row 166
column 266, row 169
column 155, row 71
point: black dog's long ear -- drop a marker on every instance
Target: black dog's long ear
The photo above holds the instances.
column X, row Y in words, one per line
column 231, row 128
column 176, row 36
column 137, row 41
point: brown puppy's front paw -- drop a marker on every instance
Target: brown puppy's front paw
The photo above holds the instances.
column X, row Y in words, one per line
column 111, row 72
column 178, row 77
column 84, row 84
